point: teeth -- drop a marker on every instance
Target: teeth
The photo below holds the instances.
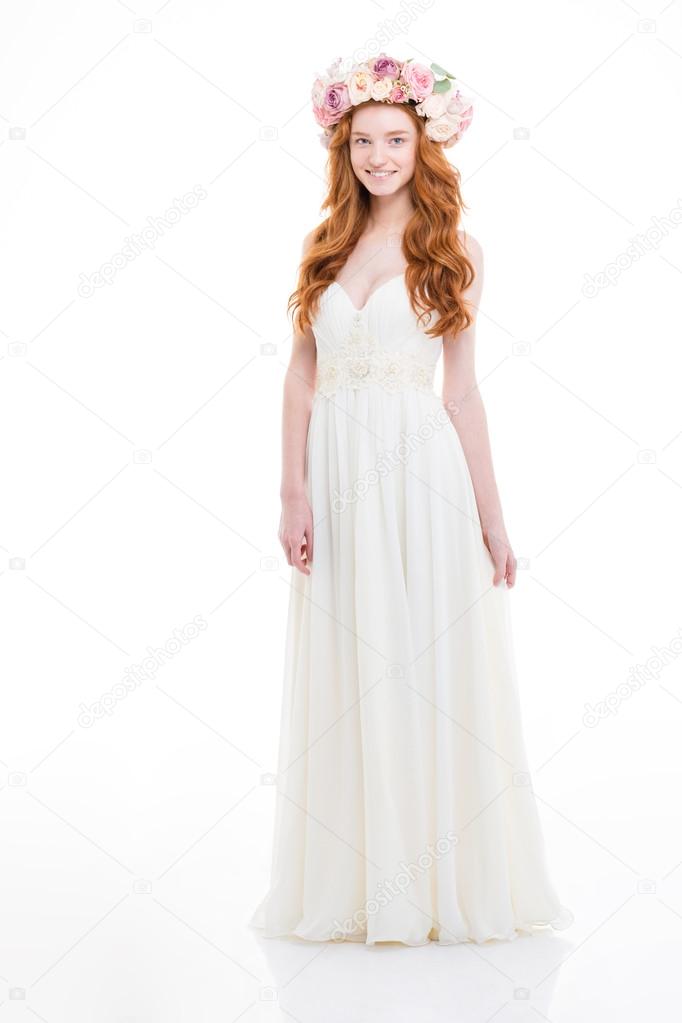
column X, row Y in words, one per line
column 380, row 174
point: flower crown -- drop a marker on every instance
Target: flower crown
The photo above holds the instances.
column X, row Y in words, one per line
column 447, row 111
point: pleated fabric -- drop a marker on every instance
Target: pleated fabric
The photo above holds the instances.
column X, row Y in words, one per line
column 405, row 810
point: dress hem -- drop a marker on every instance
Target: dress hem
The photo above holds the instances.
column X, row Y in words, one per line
column 522, row 928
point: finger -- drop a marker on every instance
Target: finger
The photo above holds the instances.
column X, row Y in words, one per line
column 500, row 567
column 285, row 548
column 309, row 542
column 511, row 577
column 297, row 559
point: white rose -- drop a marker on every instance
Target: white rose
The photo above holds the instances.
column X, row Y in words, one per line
column 359, row 87
column 440, row 129
column 433, row 106
column 382, row 88
column 457, row 103
column 319, row 90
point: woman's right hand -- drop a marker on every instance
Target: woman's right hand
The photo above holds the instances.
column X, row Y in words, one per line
column 296, row 532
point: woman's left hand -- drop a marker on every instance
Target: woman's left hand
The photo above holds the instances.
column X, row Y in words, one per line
column 497, row 542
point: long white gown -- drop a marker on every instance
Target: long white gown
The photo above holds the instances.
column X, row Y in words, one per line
column 405, row 810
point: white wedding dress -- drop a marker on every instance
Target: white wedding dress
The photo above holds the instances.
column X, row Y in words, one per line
column 404, row 806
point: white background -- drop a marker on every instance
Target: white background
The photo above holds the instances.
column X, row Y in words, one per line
column 140, row 480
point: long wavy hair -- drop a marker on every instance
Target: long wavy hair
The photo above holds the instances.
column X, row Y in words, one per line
column 438, row 270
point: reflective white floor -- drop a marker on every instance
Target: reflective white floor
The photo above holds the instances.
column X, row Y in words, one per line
column 80, row 943
column 620, row 956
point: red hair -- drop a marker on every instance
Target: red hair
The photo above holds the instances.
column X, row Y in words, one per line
column 438, row 270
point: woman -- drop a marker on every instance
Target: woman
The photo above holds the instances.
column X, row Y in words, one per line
column 404, row 806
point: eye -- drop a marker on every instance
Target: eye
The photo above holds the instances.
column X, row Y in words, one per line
column 361, row 138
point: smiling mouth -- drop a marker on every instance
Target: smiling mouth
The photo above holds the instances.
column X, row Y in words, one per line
column 381, row 174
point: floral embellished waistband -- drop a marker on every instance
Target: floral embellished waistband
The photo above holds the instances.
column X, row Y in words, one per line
column 394, row 371
column 361, row 361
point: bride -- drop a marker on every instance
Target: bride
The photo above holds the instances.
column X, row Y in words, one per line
column 405, row 810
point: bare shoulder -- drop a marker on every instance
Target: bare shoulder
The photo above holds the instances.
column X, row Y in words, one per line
column 473, row 250
column 308, row 241
column 306, row 339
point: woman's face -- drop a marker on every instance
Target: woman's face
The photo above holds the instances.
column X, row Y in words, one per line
column 383, row 144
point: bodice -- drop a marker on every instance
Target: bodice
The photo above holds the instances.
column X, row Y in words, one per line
column 381, row 344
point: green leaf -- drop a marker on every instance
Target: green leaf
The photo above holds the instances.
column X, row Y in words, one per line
column 442, row 86
column 438, row 70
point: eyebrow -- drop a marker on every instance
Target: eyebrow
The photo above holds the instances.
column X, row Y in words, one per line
column 366, row 133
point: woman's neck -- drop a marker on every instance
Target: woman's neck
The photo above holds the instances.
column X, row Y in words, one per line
column 389, row 215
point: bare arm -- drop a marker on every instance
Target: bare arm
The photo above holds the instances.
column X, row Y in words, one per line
column 464, row 405
column 296, row 521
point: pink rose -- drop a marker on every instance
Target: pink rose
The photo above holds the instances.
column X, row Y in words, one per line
column 419, row 78
column 385, row 67
column 336, row 100
column 397, row 95
column 323, row 117
column 466, row 118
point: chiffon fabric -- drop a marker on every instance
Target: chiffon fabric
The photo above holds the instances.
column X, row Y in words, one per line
column 404, row 809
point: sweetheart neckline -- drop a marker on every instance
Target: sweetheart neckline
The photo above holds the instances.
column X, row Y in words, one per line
column 396, row 277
